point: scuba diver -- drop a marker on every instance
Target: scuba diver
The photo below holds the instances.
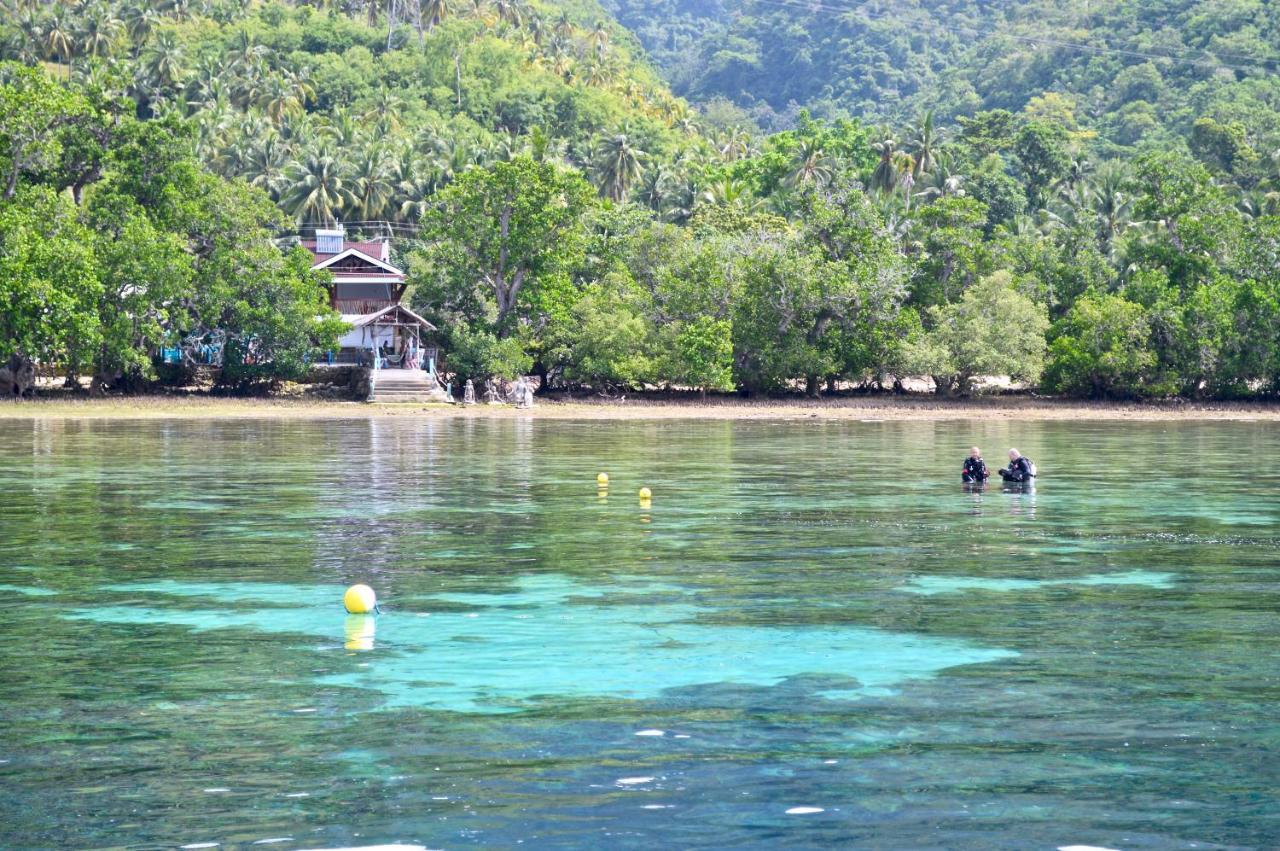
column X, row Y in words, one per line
column 975, row 469
column 1020, row 469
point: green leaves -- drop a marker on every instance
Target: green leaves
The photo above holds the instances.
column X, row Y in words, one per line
column 499, row 234
column 993, row 330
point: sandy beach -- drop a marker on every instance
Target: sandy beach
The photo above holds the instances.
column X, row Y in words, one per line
column 641, row 408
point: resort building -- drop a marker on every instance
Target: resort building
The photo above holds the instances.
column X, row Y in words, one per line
column 366, row 291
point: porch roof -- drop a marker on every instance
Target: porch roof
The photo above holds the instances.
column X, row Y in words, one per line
column 392, row 314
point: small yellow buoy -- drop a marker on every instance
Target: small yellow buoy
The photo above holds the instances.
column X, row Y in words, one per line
column 645, row 494
column 602, row 480
column 360, row 600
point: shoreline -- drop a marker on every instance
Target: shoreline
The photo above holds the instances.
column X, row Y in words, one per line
column 888, row 408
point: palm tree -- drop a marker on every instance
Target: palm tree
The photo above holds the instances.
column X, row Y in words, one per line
column 281, row 97
column 941, row 181
column 1112, row 205
column 415, row 181
column 162, row 66
column 1078, row 171
column 564, row 27
column 100, row 31
column 810, row 166
column 730, row 192
column 734, row 145
column 599, row 38
column 924, row 142
column 618, row 165
column 509, row 12
column 317, row 190
column 343, row 128
column 139, row 20
column 265, row 162
column 385, row 112
column 435, row 11
column 885, row 176
column 372, row 183
column 57, row 38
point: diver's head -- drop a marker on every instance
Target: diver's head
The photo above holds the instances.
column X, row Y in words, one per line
column 1014, row 455
column 975, row 452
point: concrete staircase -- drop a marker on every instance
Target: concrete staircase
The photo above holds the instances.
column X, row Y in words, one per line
column 405, row 385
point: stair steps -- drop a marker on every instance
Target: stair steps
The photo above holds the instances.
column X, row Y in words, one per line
column 405, row 385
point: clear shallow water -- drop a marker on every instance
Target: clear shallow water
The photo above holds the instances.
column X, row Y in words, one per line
column 814, row 636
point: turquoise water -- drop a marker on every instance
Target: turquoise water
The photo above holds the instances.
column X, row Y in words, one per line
column 813, row 636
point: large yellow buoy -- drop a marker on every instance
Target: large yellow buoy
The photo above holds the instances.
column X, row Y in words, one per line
column 360, row 600
column 645, row 494
column 602, row 480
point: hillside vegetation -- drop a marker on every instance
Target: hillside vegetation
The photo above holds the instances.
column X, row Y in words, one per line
column 1129, row 72
column 562, row 212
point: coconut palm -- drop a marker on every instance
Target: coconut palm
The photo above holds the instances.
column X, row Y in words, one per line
column 885, row 176
column 57, row 38
column 162, row 63
column 372, row 182
column 729, row 191
column 941, row 181
column 317, row 189
column 617, row 165
column 265, row 163
column 599, row 38
column 282, row 95
column 435, row 11
column 1078, row 171
column 386, row 112
column 924, row 142
column 139, row 20
column 810, row 166
column 734, row 145
column 100, row 31
column 1112, row 205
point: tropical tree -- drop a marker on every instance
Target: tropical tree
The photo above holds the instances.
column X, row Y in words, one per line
column 617, row 165
column 316, row 188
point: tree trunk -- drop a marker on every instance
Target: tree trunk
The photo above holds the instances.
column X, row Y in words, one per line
column 943, row 385
column 811, row 385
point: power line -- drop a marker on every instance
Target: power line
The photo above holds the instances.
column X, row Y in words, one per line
column 1255, row 64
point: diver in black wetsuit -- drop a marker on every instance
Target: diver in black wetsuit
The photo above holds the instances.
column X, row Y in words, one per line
column 1020, row 468
column 975, row 469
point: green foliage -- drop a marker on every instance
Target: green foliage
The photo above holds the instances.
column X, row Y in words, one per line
column 1041, row 152
column 992, row 330
column 564, row 212
column 145, row 248
column 501, row 236
column 612, row 340
column 479, row 354
column 1102, row 348
column 703, row 354
column 49, row 279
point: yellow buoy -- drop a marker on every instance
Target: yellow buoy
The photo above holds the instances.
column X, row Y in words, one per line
column 360, row 600
column 645, row 494
column 603, row 480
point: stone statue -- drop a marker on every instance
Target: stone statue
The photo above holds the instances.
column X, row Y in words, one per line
column 521, row 395
column 491, row 392
column 469, row 393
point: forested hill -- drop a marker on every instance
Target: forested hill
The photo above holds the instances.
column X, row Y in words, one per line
column 1130, row 71
column 362, row 111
